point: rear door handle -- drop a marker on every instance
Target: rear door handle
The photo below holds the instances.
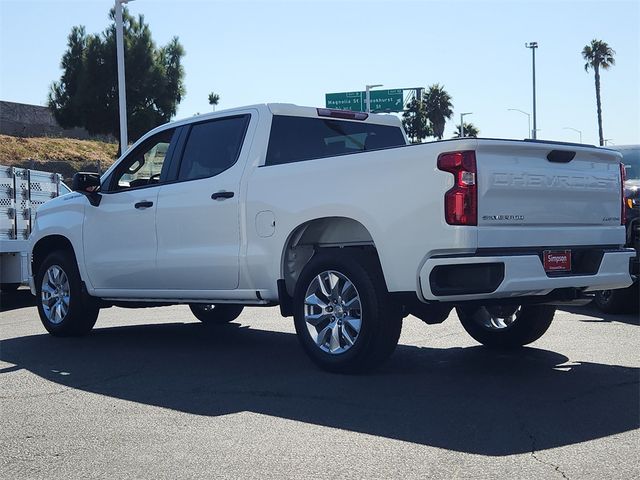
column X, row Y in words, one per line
column 145, row 204
column 221, row 195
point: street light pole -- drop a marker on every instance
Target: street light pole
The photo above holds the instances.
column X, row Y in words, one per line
column 533, row 46
column 368, row 96
column 575, row 130
column 462, row 123
column 122, row 96
column 526, row 113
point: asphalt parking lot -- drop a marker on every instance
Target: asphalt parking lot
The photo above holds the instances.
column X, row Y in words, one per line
column 155, row 394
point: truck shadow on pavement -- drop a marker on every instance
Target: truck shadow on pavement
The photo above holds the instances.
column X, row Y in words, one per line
column 464, row 399
column 15, row 300
column 593, row 314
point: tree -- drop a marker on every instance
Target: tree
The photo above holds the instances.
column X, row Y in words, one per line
column 438, row 108
column 470, row 130
column 214, row 98
column 598, row 55
column 87, row 93
column 415, row 121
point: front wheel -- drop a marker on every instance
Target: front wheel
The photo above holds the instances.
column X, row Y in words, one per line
column 344, row 317
column 506, row 326
column 64, row 308
column 215, row 313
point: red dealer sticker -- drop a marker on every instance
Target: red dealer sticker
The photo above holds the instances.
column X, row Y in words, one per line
column 557, row 260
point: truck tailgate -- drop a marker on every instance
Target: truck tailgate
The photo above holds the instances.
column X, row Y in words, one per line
column 539, row 193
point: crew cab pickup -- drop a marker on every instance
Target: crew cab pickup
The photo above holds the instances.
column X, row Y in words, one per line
column 336, row 218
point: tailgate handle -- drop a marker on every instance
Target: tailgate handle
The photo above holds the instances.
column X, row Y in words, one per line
column 561, row 156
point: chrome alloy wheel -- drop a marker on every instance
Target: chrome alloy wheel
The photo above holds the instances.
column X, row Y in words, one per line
column 332, row 312
column 500, row 317
column 56, row 294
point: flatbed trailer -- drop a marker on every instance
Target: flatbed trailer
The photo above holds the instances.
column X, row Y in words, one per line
column 22, row 191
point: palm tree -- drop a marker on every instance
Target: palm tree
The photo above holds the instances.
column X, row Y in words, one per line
column 439, row 108
column 214, row 98
column 415, row 121
column 598, row 55
column 470, row 130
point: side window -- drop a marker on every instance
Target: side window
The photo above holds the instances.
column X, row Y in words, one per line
column 144, row 165
column 212, row 147
column 294, row 139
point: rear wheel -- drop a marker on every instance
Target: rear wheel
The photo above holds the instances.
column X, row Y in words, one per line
column 623, row 300
column 344, row 317
column 64, row 308
column 506, row 326
column 215, row 313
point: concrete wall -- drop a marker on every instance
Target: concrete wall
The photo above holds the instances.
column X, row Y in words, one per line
column 23, row 120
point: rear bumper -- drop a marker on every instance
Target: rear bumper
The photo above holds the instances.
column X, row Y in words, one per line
column 505, row 276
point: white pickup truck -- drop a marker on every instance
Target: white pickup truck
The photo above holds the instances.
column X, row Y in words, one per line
column 334, row 217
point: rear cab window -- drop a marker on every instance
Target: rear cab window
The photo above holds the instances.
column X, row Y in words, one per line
column 295, row 139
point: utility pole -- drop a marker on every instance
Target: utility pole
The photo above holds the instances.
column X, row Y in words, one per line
column 575, row 130
column 122, row 95
column 528, row 117
column 533, row 46
column 462, row 123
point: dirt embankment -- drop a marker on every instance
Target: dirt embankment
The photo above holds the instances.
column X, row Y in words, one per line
column 60, row 155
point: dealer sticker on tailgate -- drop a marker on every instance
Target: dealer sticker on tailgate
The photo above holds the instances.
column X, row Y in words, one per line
column 557, row 260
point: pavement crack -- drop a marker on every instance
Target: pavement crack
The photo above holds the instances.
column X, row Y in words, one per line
column 534, row 455
column 269, row 394
column 80, row 386
column 275, row 394
column 598, row 388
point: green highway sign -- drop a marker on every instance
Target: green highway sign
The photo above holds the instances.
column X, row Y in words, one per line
column 385, row 100
column 381, row 101
column 346, row 101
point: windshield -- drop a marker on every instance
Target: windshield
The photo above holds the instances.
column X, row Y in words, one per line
column 631, row 160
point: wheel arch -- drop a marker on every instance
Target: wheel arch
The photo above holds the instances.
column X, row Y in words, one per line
column 324, row 232
column 45, row 246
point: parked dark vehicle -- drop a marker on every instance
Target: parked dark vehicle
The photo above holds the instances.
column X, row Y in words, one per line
column 626, row 300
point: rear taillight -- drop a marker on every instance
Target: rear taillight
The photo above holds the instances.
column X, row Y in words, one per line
column 461, row 202
column 623, row 210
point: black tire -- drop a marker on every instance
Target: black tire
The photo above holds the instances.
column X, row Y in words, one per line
column 9, row 287
column 379, row 318
column 529, row 323
column 623, row 300
column 215, row 314
column 82, row 311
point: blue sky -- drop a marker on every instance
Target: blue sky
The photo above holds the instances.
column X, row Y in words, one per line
column 296, row 51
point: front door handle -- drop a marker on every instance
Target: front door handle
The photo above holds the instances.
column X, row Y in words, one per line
column 221, row 195
column 145, row 204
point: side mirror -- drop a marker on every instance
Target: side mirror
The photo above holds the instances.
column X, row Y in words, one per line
column 88, row 184
column 85, row 182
